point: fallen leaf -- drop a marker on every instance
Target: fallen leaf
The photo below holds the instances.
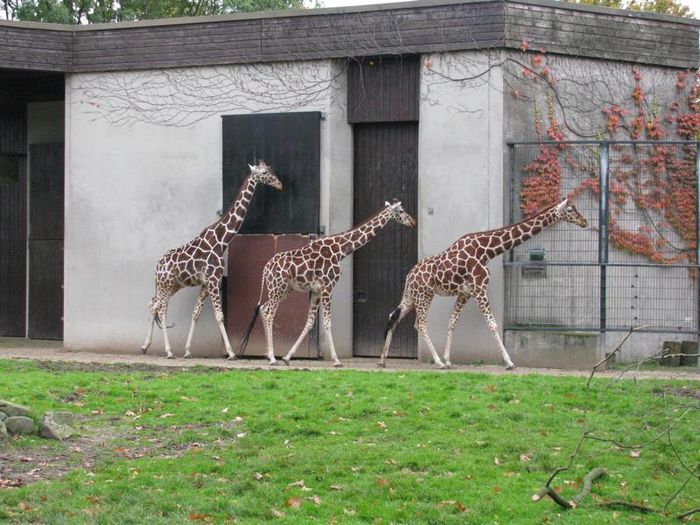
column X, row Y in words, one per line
column 163, row 416
column 293, row 503
column 490, row 388
column 496, row 461
column 497, row 489
column 336, row 487
column 526, row 457
column 634, row 453
column 461, row 507
column 510, row 474
column 224, row 410
column 276, row 513
column 193, row 516
column 299, row 483
column 24, row 506
column 382, row 482
column 381, row 425
column 258, row 476
column 536, row 497
column 315, row 500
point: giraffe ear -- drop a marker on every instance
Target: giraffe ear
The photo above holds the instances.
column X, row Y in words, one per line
column 387, row 203
column 251, row 167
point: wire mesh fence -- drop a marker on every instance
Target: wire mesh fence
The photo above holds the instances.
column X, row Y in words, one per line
column 637, row 262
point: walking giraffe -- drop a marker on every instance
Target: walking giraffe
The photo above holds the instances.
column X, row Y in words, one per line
column 461, row 270
column 315, row 268
column 200, row 262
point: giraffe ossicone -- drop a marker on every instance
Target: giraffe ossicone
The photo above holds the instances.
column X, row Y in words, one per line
column 200, row 262
column 315, row 268
column 461, row 270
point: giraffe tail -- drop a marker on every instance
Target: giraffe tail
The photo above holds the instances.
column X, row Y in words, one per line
column 246, row 337
column 393, row 319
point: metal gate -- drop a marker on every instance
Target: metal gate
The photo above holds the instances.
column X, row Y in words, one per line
column 637, row 263
column 291, row 144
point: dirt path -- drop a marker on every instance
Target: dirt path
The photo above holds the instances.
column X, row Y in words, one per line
column 56, row 353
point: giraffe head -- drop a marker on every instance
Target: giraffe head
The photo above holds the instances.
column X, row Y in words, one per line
column 263, row 173
column 566, row 211
column 397, row 213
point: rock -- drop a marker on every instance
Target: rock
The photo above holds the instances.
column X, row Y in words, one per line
column 57, row 425
column 3, row 430
column 12, row 409
column 3, row 416
column 19, row 425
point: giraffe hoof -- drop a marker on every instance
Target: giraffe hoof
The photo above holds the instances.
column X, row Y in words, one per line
column 231, row 357
column 441, row 366
column 510, row 367
column 143, row 350
column 274, row 363
column 338, row 364
column 187, row 356
column 448, row 365
column 285, row 361
column 171, row 356
column 381, row 365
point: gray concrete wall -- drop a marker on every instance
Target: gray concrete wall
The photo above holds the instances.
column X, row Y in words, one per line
column 143, row 175
column 460, row 187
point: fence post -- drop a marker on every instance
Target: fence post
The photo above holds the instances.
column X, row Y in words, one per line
column 603, row 216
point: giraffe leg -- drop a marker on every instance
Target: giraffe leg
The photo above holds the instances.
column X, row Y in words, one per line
column 153, row 309
column 310, row 318
column 422, row 327
column 403, row 309
column 215, row 296
column 195, row 315
column 163, row 316
column 483, row 302
column 454, row 318
column 326, row 311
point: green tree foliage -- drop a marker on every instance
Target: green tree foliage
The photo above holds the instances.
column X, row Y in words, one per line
column 665, row 7
column 96, row 11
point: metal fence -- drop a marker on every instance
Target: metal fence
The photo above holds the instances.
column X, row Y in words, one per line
column 637, row 262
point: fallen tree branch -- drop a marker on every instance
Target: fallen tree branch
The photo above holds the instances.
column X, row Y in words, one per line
column 573, row 502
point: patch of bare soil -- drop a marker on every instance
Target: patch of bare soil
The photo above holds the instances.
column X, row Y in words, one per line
column 46, row 461
column 74, row 366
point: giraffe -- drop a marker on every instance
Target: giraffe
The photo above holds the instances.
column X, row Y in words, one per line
column 461, row 270
column 200, row 262
column 315, row 268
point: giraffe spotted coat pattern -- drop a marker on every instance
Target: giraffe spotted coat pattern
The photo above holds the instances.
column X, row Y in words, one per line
column 461, row 270
column 200, row 262
column 315, row 268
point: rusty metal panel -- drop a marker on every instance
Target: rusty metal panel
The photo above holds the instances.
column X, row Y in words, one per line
column 247, row 256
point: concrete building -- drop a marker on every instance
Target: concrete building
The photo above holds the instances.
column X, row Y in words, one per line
column 115, row 149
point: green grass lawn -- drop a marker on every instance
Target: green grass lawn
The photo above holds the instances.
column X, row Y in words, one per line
column 340, row 446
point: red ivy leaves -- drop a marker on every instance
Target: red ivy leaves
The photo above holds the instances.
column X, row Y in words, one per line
column 663, row 183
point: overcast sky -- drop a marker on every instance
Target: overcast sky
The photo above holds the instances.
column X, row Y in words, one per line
column 693, row 4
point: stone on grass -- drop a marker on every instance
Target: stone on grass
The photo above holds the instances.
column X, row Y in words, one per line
column 3, row 430
column 19, row 425
column 57, row 425
column 12, row 409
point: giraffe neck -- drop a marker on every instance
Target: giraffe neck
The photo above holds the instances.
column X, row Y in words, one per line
column 220, row 233
column 351, row 240
column 511, row 236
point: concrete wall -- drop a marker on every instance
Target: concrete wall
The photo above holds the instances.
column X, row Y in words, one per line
column 460, row 186
column 143, row 175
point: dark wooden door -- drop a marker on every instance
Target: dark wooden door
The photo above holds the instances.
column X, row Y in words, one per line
column 13, row 245
column 385, row 167
column 290, row 143
column 46, row 198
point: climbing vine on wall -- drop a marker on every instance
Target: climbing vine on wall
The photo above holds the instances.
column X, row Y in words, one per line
column 655, row 182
